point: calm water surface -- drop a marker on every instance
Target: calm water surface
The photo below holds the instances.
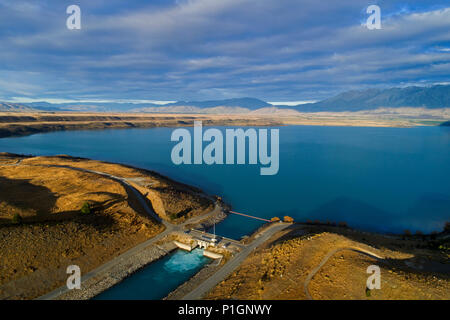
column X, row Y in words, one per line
column 383, row 179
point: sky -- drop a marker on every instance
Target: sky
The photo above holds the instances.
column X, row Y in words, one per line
column 168, row 50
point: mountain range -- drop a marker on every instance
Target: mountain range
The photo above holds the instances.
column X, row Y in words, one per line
column 426, row 97
column 15, row 107
column 432, row 97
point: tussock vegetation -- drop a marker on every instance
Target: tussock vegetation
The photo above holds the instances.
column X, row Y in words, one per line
column 171, row 200
column 53, row 215
column 280, row 268
column 26, row 123
column 22, row 123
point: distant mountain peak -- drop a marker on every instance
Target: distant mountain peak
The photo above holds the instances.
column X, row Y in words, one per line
column 249, row 103
column 15, row 107
column 432, row 97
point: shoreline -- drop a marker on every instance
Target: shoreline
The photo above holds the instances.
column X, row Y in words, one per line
column 25, row 124
column 126, row 265
column 296, row 255
column 122, row 267
column 185, row 289
column 142, row 255
column 115, row 267
column 152, row 253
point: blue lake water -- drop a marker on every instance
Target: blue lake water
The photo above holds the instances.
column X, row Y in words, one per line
column 382, row 179
column 159, row 278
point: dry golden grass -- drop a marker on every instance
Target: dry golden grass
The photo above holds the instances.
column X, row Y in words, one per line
column 171, row 200
column 54, row 233
column 344, row 277
column 279, row 270
column 18, row 124
column 36, row 190
column 25, row 123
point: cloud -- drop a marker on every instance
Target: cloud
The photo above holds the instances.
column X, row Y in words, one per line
column 203, row 49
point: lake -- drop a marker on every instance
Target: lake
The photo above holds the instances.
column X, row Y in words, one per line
column 379, row 179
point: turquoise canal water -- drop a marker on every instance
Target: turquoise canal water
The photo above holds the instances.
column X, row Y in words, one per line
column 159, row 278
column 381, row 179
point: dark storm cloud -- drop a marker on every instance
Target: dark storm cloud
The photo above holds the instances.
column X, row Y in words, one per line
column 209, row 49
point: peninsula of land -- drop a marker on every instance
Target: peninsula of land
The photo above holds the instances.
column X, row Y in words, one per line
column 26, row 123
column 112, row 220
column 60, row 211
column 324, row 261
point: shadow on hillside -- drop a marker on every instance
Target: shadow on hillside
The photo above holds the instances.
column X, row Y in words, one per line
column 24, row 195
column 334, row 216
column 418, row 247
column 96, row 219
column 136, row 205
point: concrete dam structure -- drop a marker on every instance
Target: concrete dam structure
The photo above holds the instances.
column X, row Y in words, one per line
column 202, row 244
